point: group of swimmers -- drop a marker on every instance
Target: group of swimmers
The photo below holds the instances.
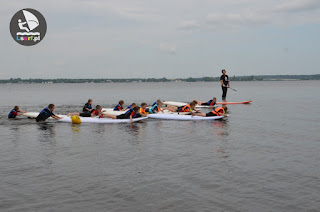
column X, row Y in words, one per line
column 130, row 112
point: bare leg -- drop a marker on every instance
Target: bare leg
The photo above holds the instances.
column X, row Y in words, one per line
column 108, row 116
column 170, row 108
column 73, row 114
column 199, row 114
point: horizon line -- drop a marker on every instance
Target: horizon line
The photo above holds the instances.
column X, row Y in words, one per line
column 270, row 75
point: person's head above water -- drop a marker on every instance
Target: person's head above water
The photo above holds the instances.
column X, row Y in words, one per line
column 16, row 108
column 225, row 108
column 143, row 105
column 223, row 71
column 136, row 109
column 90, row 101
column 98, row 108
column 192, row 104
column 51, row 107
column 121, row 102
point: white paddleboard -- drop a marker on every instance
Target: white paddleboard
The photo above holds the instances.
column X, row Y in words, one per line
column 101, row 120
column 169, row 112
column 34, row 115
column 177, row 104
column 110, row 111
column 180, row 104
column 182, row 117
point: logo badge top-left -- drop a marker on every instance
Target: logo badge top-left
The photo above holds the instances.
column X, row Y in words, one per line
column 28, row 27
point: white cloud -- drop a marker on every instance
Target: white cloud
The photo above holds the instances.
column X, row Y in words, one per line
column 237, row 19
column 298, row 6
column 134, row 10
column 168, row 48
column 189, row 25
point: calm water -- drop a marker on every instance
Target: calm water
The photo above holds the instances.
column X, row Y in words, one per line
column 265, row 157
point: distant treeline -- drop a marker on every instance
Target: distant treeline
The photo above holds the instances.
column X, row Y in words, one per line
column 190, row 79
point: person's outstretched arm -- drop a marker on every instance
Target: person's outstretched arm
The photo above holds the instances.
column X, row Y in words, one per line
column 56, row 117
column 131, row 118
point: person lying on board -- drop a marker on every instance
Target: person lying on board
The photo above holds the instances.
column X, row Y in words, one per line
column 220, row 111
column 156, row 102
column 131, row 106
column 155, row 108
column 212, row 102
column 143, row 108
column 186, row 108
column 93, row 113
column 119, row 107
column 15, row 112
column 130, row 114
column 88, row 106
column 46, row 113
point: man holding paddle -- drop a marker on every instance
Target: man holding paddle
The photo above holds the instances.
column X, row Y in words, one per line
column 224, row 84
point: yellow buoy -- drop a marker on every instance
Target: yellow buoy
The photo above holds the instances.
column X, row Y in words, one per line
column 76, row 120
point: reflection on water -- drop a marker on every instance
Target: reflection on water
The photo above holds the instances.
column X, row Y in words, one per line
column 99, row 128
column 47, row 132
column 136, row 132
column 221, row 128
column 47, row 144
column 75, row 128
column 15, row 132
column 136, row 128
column 76, row 132
column 222, row 152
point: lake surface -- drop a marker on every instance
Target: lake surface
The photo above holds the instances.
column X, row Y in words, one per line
column 264, row 157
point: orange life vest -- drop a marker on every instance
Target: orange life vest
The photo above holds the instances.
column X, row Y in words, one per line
column 186, row 108
column 218, row 110
column 142, row 110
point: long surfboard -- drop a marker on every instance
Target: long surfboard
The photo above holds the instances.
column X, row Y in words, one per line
column 110, row 111
column 101, row 120
column 33, row 115
column 180, row 104
column 233, row 103
column 182, row 117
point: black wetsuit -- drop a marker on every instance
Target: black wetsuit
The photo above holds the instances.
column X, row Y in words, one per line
column 87, row 106
column 209, row 103
column 225, row 80
column 128, row 114
column 44, row 114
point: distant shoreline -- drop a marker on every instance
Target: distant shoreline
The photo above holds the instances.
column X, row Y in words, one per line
column 190, row 79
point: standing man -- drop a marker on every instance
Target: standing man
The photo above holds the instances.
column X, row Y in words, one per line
column 224, row 84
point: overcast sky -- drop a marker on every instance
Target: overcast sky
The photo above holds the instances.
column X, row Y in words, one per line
column 165, row 38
